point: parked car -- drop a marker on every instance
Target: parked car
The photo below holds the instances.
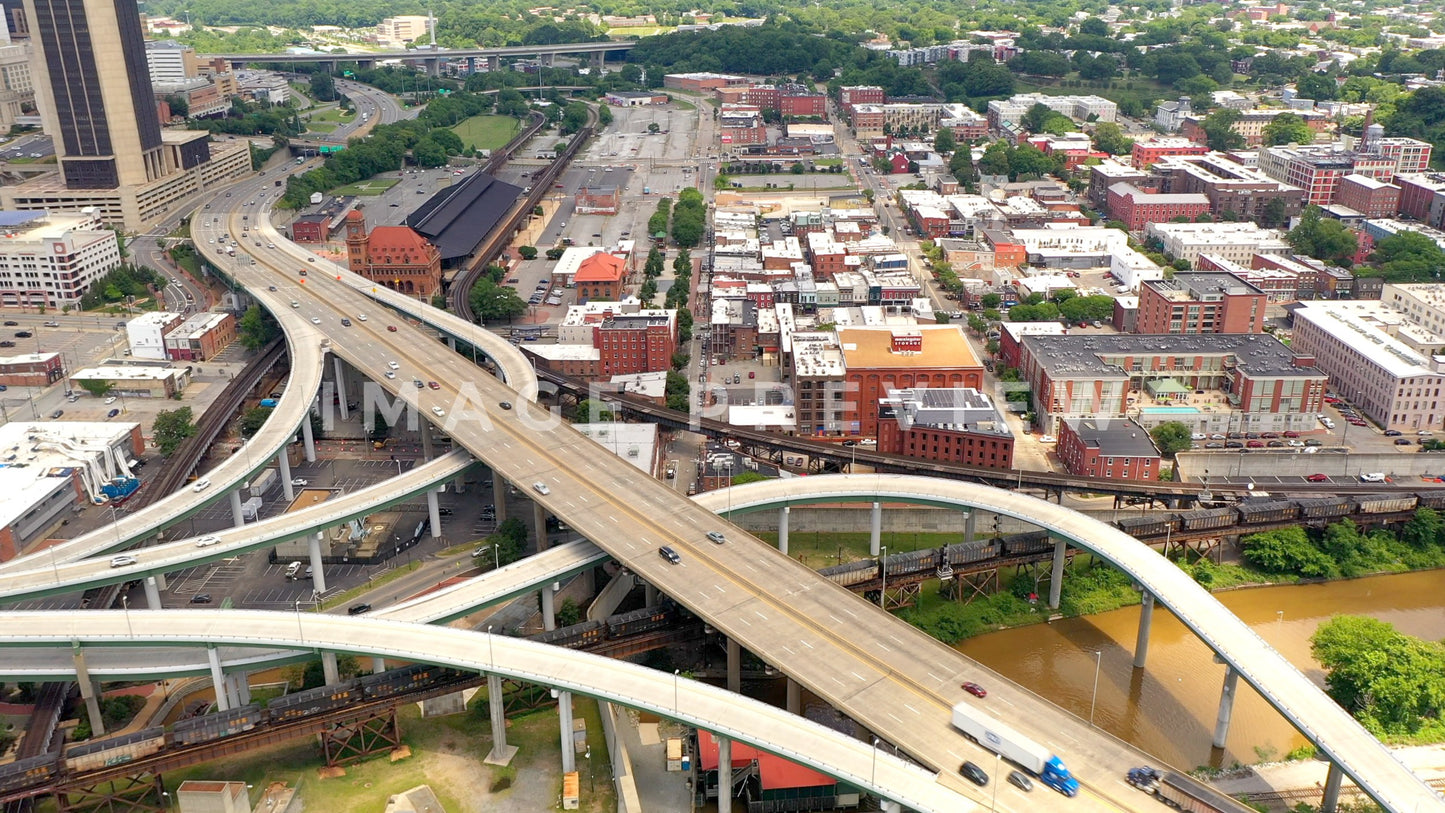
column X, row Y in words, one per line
column 201, row 598
column 1318, row 478
column 112, row 413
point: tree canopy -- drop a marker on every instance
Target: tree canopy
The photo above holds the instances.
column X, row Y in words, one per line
column 1393, row 683
column 1322, row 238
column 171, row 428
column 1409, row 256
column 1171, row 437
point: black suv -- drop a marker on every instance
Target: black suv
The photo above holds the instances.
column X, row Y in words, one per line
column 669, row 554
column 974, row 774
column 358, row 609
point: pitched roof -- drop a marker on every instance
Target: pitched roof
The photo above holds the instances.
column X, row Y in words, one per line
column 457, row 218
column 398, row 239
column 601, row 267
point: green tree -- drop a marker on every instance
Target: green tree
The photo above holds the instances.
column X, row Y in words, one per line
column 96, row 387
column 568, row 613
column 677, row 391
column 1287, row 128
column 1219, row 131
column 1274, row 214
column 1393, row 683
column 256, row 329
column 527, row 252
column 1409, row 256
column 492, row 302
column 171, row 428
column 944, row 142
column 1322, row 238
column 1042, row 312
column 1099, row 307
column 1287, row 550
column 1109, row 137
column 253, row 419
column 510, row 539
column 591, row 411
column 428, row 153
column 1171, row 437
column 995, row 159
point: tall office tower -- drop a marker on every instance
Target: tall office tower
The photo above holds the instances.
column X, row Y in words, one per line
column 93, row 90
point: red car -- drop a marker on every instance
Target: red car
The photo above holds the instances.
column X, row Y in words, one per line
column 1356, row 422
column 1291, row 434
column 391, row 328
column 975, row 689
column 434, row 385
column 1318, row 478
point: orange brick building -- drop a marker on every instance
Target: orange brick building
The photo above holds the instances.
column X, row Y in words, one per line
column 600, row 277
column 877, row 360
column 394, row 256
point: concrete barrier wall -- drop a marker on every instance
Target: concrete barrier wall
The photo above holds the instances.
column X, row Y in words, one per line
column 628, row 800
column 1256, row 463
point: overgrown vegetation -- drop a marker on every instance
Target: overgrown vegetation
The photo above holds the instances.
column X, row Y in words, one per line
column 115, row 712
column 1343, row 550
column 122, row 281
column 171, row 428
column 1393, row 683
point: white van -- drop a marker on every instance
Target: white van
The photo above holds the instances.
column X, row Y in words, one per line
column 1373, row 477
column 293, row 570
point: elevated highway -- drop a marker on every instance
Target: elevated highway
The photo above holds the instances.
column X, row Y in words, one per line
column 1332, row 730
column 689, row 701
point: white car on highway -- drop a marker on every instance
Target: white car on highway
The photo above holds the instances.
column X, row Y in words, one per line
column 207, row 541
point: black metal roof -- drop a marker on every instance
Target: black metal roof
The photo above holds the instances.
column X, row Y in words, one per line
column 457, row 218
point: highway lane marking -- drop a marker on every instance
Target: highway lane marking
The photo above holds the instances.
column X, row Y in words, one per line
column 883, row 647
column 912, row 709
column 759, row 614
column 805, row 643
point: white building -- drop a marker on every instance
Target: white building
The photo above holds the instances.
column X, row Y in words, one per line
column 169, row 61
column 264, row 86
column 65, row 465
column 395, row 32
column 1422, row 303
column 634, row 442
column 1359, row 345
column 1079, row 108
column 51, row 259
column 145, row 334
column 1239, row 242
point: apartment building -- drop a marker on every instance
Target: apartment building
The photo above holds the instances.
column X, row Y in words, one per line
column 1200, row 302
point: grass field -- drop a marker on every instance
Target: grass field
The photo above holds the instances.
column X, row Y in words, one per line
column 370, row 188
column 487, row 132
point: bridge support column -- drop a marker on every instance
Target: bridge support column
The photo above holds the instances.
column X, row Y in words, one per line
column 452, row 343
column 539, row 519
column 329, row 671
column 970, row 525
column 153, row 593
column 795, row 697
column 494, row 63
column 892, row 807
column 1226, row 707
column 318, row 574
column 427, row 444
column 237, row 518
column 1146, row 619
column 501, row 753
column 549, row 612
column 875, row 531
column 564, row 717
column 87, row 692
column 307, row 441
column 218, row 679
column 284, row 464
column 1331, row 799
column 243, row 688
column 341, row 388
column 724, row 774
column 735, row 666
column 378, row 665
column 160, row 580
column 1056, row 575
column 783, row 529
column 598, row 58
column 649, row 595
column 499, row 497
column 434, row 513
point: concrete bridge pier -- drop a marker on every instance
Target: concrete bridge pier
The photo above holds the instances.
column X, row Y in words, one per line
column 434, row 513
column 875, row 530
column 218, row 679
column 795, row 697
column 1330, row 802
column 970, row 522
column 494, row 63
column 649, row 595
column 341, row 388
column 892, row 807
column 427, row 444
column 284, row 465
column 153, row 593
column 724, row 774
column 564, row 718
column 318, row 573
column 783, row 529
column 735, row 666
column 1056, row 574
column 1146, row 620
column 87, row 692
column 329, row 671
column 1226, row 706
column 237, row 518
column 499, row 497
column 539, row 519
column 549, row 612
column 501, row 753
column 378, row 665
column 307, row 441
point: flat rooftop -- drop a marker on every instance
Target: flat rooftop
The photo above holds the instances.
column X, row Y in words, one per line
column 943, row 346
column 1079, row 355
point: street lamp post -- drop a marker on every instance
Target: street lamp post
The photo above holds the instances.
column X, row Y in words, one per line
column 1098, row 661
column 301, row 634
column 873, row 780
column 675, row 675
column 993, row 805
column 491, row 656
column 125, row 605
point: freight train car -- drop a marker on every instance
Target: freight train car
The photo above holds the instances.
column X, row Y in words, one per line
column 576, row 636
column 27, row 773
column 1261, row 511
column 308, row 702
column 847, row 575
column 1325, row 507
column 91, row 756
column 1385, row 504
column 215, row 726
column 405, row 679
column 1207, row 519
column 972, row 552
column 1026, row 544
column 646, row 619
column 1149, row 525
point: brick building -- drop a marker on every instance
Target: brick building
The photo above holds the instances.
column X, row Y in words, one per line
column 1200, row 302
column 1147, row 153
column 311, row 228
column 600, row 277
column 201, row 337
column 877, row 360
column 635, row 343
column 854, row 95
column 1137, row 208
column 1368, row 196
column 31, row 370
column 1233, row 189
column 597, row 200
column 957, row 425
column 394, row 256
column 1318, row 170
column 1422, row 197
column 1116, row 450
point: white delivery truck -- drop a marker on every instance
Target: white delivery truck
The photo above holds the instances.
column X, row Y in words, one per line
column 1015, row 747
